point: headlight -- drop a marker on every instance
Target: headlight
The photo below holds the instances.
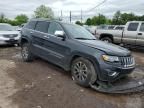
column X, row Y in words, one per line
column 110, row 58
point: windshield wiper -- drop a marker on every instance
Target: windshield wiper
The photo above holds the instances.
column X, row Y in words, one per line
column 82, row 38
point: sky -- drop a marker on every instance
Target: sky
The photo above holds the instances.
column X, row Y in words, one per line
column 11, row 8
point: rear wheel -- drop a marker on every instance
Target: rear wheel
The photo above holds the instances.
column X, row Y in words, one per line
column 83, row 72
column 107, row 39
column 27, row 56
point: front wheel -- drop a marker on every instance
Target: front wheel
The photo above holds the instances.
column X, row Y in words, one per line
column 27, row 56
column 83, row 72
column 107, row 39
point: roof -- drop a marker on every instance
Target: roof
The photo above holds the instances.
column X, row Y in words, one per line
column 43, row 19
column 46, row 19
column 137, row 21
column 4, row 24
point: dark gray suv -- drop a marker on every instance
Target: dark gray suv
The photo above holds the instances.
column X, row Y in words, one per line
column 74, row 49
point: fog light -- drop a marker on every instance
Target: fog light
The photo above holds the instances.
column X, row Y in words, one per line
column 112, row 74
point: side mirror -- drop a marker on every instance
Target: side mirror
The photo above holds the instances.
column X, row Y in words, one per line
column 60, row 34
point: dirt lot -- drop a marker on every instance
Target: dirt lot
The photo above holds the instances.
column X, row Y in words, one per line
column 42, row 85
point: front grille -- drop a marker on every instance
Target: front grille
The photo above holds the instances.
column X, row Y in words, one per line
column 127, row 61
column 10, row 35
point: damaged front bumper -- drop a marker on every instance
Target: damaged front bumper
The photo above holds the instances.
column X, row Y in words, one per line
column 125, row 85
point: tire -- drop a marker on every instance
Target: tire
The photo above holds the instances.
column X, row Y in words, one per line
column 27, row 56
column 107, row 39
column 85, row 76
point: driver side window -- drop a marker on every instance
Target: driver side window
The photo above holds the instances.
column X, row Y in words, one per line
column 54, row 27
column 142, row 27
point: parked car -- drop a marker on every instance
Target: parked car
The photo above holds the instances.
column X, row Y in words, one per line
column 16, row 28
column 75, row 49
column 91, row 29
column 132, row 34
column 20, row 27
column 8, row 34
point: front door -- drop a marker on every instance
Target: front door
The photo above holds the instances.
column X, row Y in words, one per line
column 38, row 38
column 140, row 35
column 56, row 46
column 129, row 36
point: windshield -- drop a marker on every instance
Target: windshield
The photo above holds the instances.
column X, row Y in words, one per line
column 78, row 32
column 6, row 28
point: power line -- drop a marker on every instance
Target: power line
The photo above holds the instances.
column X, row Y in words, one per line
column 77, row 11
column 81, row 15
column 96, row 6
column 70, row 17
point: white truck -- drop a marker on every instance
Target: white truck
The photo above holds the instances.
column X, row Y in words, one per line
column 132, row 34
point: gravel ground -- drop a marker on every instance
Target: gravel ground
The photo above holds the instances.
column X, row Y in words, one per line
column 43, row 85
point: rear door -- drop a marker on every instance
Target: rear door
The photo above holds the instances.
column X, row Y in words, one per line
column 57, row 47
column 130, row 33
column 38, row 38
column 140, row 35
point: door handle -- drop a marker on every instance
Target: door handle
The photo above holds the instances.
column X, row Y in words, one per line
column 46, row 37
column 139, row 33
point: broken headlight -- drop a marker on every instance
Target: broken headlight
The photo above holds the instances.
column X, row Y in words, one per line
column 110, row 58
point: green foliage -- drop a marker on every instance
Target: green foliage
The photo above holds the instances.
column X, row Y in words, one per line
column 108, row 21
column 101, row 19
column 2, row 18
column 125, row 17
column 128, row 17
column 78, row 23
column 118, row 19
column 20, row 19
column 43, row 12
column 141, row 18
column 88, row 21
column 97, row 20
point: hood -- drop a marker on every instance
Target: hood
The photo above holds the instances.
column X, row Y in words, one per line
column 9, row 32
column 108, row 48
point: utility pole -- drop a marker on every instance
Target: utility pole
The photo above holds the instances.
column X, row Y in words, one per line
column 61, row 16
column 81, row 16
column 70, row 16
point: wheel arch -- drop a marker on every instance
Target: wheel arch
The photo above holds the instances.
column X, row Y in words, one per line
column 92, row 59
column 106, row 35
column 24, row 40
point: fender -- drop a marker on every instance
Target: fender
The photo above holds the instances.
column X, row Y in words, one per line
column 94, row 61
column 25, row 38
column 106, row 35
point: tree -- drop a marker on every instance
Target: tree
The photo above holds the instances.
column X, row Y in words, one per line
column 109, row 21
column 101, row 19
column 117, row 18
column 125, row 17
column 20, row 19
column 2, row 18
column 78, row 23
column 43, row 12
column 97, row 20
column 141, row 18
column 88, row 21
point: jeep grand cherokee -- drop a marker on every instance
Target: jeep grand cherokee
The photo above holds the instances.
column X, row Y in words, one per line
column 74, row 49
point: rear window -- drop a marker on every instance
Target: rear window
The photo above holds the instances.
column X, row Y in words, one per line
column 119, row 28
column 111, row 27
column 31, row 25
column 142, row 27
column 133, row 26
column 42, row 26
